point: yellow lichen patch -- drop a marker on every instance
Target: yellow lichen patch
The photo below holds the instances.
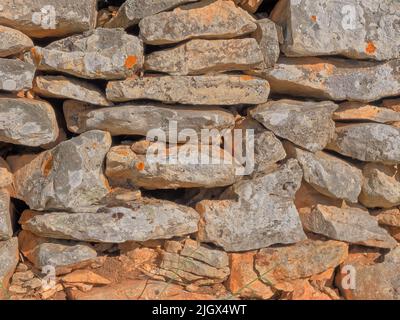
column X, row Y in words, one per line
column 140, row 166
column 370, row 48
column 130, row 62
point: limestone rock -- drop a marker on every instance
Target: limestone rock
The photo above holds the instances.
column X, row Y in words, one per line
column 358, row 29
column 353, row 225
column 13, row 42
column 6, row 177
column 381, row 187
column 213, row 257
column 211, row 19
column 307, row 124
column 358, row 111
column 388, row 217
column 85, row 276
column 6, row 225
column 41, row 18
column 328, row 174
column 335, row 79
column 16, row 75
column 204, row 56
column 8, row 261
column 27, row 122
column 68, row 177
column 131, row 222
column 132, row 11
column 186, row 166
column 197, row 90
column 69, row 88
column 249, row 5
column 301, row 260
column 372, row 142
column 140, row 118
column 262, row 212
column 97, row 54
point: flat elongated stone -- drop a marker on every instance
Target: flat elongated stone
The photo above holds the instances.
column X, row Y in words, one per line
column 301, row 260
column 69, row 88
column 140, row 118
column 132, row 11
column 213, row 257
column 335, row 79
column 353, row 225
column 381, row 186
column 263, row 213
column 328, row 174
column 6, row 225
column 16, row 75
column 307, row 124
column 8, row 261
column 268, row 40
column 13, row 42
column 97, row 54
column 186, row 166
column 43, row 18
column 372, row 142
column 198, row 90
column 204, row 56
column 27, row 122
column 358, row 111
column 358, row 29
column 388, row 217
column 68, row 177
column 131, row 222
column 212, row 20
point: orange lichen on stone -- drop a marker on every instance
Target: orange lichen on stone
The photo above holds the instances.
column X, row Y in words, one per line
column 47, row 165
column 140, row 166
column 370, row 48
column 130, row 62
column 314, row 18
column 246, row 78
column 122, row 152
column 36, row 56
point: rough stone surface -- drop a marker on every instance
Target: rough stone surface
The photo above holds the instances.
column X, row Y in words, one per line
column 275, row 265
column 69, row 88
column 208, row 167
column 328, row 174
column 198, row 90
column 307, row 124
column 210, row 19
column 27, row 122
column 6, row 177
column 249, row 5
column 372, row 142
column 335, row 79
column 130, row 222
column 41, row 18
column 140, row 118
column 13, row 42
column 97, row 54
column 205, row 56
column 358, row 29
column 6, row 225
column 213, row 257
column 353, row 225
column 358, row 111
column 132, row 11
column 263, row 213
column 8, row 262
column 381, row 187
column 16, row 75
column 68, row 177
column 388, row 217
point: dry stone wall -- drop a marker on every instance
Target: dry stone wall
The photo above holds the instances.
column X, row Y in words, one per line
column 199, row 149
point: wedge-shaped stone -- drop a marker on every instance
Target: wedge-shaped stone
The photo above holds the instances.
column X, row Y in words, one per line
column 198, row 90
column 210, row 19
column 132, row 11
column 372, row 142
column 16, row 75
column 301, row 260
column 353, row 225
column 335, row 79
column 43, row 18
column 381, row 186
column 358, row 111
column 6, row 213
column 204, row 56
column 134, row 221
column 69, row 88
column 13, row 42
column 8, row 261
column 97, row 54
column 259, row 213
column 27, row 122
column 162, row 167
column 356, row 29
column 140, row 118
column 307, row 124
column 268, row 38
column 6, row 177
column 328, row 174
column 68, row 177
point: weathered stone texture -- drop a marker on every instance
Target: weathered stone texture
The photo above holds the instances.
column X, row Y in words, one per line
column 16, row 75
column 13, row 42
